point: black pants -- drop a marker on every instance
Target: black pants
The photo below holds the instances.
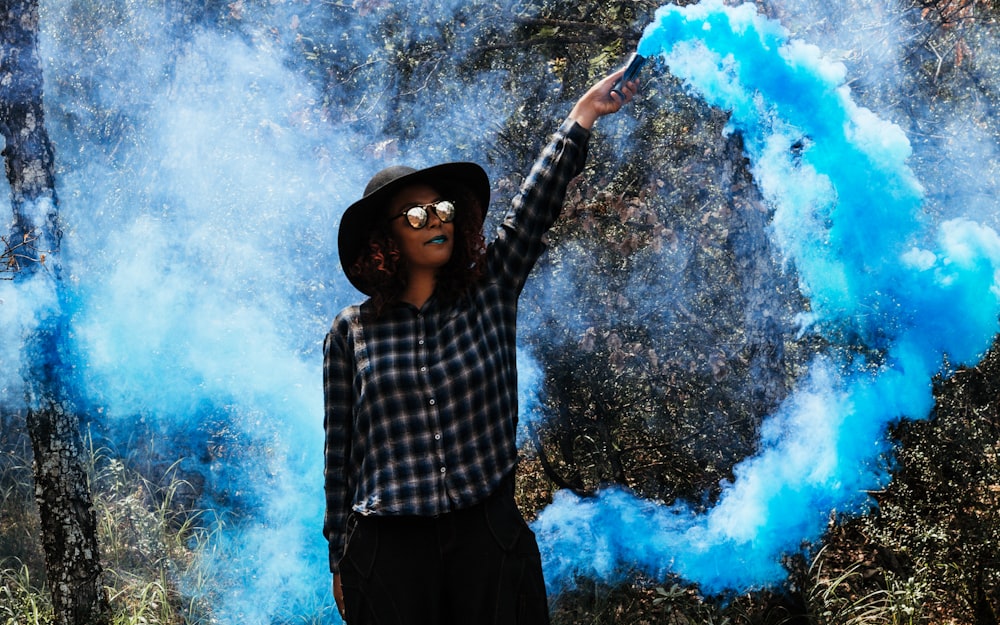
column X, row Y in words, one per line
column 477, row 566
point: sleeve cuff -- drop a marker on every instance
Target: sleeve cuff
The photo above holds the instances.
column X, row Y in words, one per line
column 574, row 131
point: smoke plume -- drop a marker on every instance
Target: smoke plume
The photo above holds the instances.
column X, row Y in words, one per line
column 895, row 297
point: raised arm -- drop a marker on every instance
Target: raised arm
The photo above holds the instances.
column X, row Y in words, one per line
column 599, row 100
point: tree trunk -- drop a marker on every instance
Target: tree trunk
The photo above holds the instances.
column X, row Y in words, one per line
column 69, row 525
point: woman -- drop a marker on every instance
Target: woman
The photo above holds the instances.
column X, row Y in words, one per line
column 420, row 385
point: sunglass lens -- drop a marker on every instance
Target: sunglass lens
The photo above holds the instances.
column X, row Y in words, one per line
column 445, row 210
column 417, row 217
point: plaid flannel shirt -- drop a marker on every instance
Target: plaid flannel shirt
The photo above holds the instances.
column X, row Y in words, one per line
column 421, row 405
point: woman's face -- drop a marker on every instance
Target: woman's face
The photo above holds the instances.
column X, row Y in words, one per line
column 427, row 248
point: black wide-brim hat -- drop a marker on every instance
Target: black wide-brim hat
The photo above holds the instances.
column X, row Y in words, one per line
column 364, row 215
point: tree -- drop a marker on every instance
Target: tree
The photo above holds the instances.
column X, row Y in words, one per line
column 61, row 487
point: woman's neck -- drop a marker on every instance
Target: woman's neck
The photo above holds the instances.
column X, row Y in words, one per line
column 419, row 288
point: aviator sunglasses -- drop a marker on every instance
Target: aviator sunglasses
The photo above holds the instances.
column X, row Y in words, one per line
column 416, row 216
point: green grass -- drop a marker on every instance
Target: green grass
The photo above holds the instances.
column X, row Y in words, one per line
column 856, row 596
column 148, row 545
column 22, row 600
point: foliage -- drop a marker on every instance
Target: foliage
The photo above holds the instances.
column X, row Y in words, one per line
column 149, row 544
column 682, row 316
column 855, row 594
column 23, row 596
column 19, row 529
column 17, row 252
column 21, row 602
column 940, row 517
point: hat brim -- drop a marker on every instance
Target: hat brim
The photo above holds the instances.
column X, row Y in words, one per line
column 361, row 217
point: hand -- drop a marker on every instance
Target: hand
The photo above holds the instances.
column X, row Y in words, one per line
column 599, row 101
column 338, row 596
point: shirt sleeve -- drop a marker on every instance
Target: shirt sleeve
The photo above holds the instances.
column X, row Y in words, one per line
column 521, row 237
column 337, row 424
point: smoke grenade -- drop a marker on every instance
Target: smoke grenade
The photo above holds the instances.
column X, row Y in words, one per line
column 631, row 71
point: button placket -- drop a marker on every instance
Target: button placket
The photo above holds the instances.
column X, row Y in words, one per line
column 424, row 366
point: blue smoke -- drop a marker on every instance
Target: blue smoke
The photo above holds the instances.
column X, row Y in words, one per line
column 895, row 297
column 193, row 242
column 200, row 186
column 199, row 197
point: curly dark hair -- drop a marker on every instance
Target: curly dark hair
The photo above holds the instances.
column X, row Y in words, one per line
column 380, row 266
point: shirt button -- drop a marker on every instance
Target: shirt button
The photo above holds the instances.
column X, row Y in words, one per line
column 420, row 342
column 432, row 401
column 423, row 369
column 437, row 436
column 443, row 470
